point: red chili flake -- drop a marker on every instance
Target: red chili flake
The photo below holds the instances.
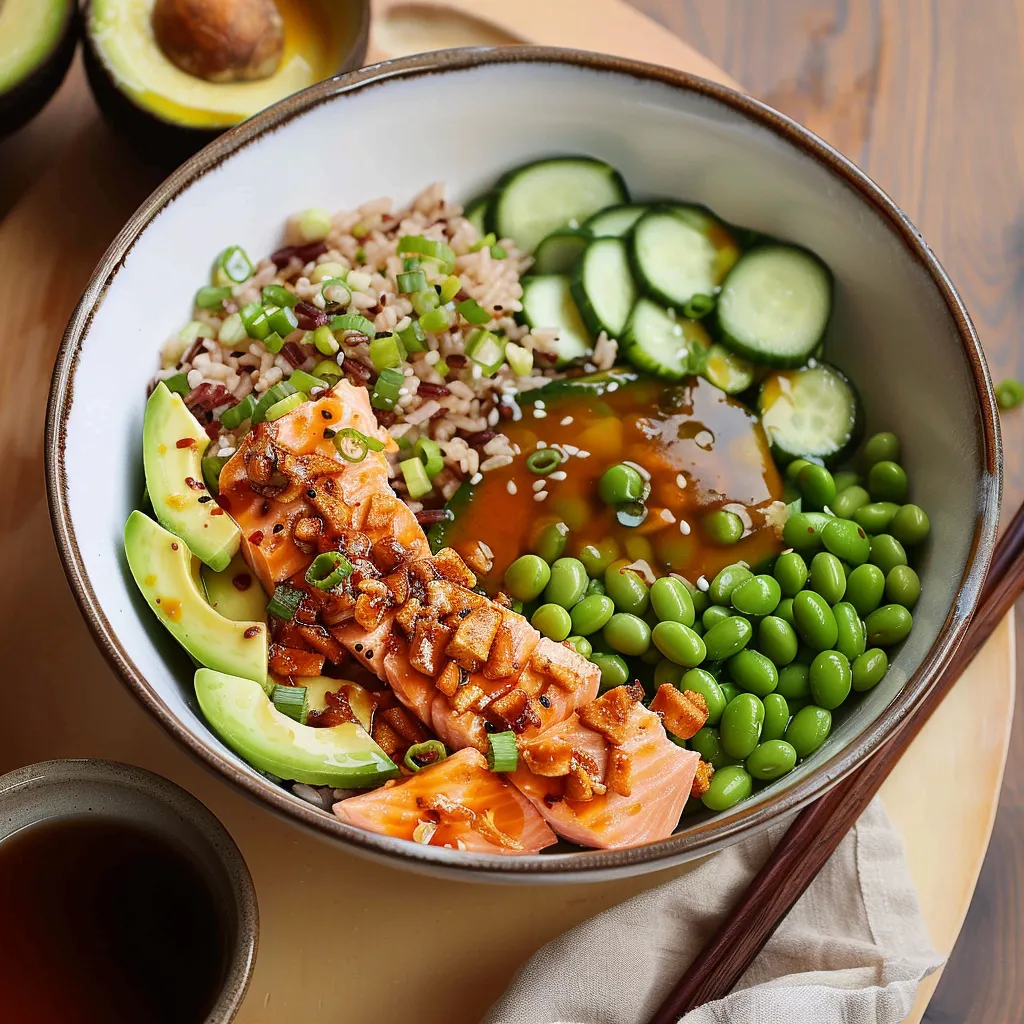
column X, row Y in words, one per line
column 810, row 529
column 251, row 632
column 196, row 485
column 505, row 412
column 184, row 442
column 216, row 511
column 432, row 390
column 174, row 545
column 256, row 537
column 309, row 317
column 243, row 581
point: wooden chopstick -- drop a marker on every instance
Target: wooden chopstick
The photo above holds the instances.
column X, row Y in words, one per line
column 819, row 828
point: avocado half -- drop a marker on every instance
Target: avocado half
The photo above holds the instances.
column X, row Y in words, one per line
column 37, row 42
column 168, row 114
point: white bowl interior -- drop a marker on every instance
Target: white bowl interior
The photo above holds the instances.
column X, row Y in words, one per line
column 891, row 331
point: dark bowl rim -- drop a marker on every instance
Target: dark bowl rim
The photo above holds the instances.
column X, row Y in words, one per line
column 589, row 865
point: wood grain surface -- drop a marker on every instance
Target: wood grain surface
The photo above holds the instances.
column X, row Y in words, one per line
column 926, row 95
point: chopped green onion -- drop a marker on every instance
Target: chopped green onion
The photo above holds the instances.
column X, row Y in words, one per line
column 425, row 301
column 282, row 320
column 423, row 755
column 412, row 281
column 410, row 263
column 353, row 444
column 442, row 369
column 430, row 452
column 322, row 271
column 282, row 389
column 195, row 329
column 486, row 242
column 486, row 349
column 285, row 406
column 325, row 342
column 519, row 358
column 232, row 330
column 285, row 601
column 416, row 480
column 178, row 385
column 698, row 306
column 502, row 752
column 413, row 337
column 235, row 263
column 631, row 514
column 278, row 295
column 437, row 320
column 386, row 350
column 353, row 322
column 238, row 414
column 1009, row 393
column 291, row 701
column 403, row 443
column 450, row 287
column 498, row 252
column 327, row 370
column 361, row 256
column 472, row 312
column 328, row 569
column 306, row 381
column 212, row 296
column 359, row 280
column 544, row 461
column 212, row 465
column 427, row 248
column 385, row 391
column 335, row 292
column 254, row 320
column 273, row 342
column 314, row 224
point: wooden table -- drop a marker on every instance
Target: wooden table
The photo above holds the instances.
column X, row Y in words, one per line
column 757, row 45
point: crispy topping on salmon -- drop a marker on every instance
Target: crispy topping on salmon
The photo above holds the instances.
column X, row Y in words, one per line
column 611, row 714
column 472, row 641
column 701, row 779
column 684, row 714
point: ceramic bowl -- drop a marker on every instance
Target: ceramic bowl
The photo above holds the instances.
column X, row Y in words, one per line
column 899, row 330
column 75, row 789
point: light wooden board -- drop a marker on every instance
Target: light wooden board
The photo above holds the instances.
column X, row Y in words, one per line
column 334, row 928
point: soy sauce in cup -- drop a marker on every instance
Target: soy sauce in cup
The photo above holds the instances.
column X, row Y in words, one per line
column 105, row 922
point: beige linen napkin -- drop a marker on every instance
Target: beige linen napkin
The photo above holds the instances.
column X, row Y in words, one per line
column 852, row 951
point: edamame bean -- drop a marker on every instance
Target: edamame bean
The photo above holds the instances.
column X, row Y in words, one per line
column 814, row 620
column 876, row 516
column 809, row 729
column 730, row 691
column 753, row 672
column 727, row 581
column 550, row 542
column 795, row 468
column 568, row 582
column 888, row 625
column 581, row 645
column 701, row 601
column 651, row 656
column 527, row 577
column 869, row 668
column 902, row 586
column 771, row 759
column 794, row 682
column 671, row 601
column 760, row 595
column 791, row 572
column 723, row 527
column 881, row 448
column 785, row 611
column 910, row 525
column 846, row 540
column 776, row 639
column 852, row 638
column 704, row 683
column 817, row 486
column 740, row 727
column 802, row 531
column 597, row 557
column 831, row 679
column 864, row 588
column 708, row 744
column 713, row 615
column 619, row 484
column 887, row 481
column 776, row 717
column 628, row 634
column 827, row 577
column 592, row 614
column 846, row 478
column 679, row 643
column 625, row 587
column 849, row 500
column 887, row 552
column 553, row 621
column 727, row 637
column 728, row 786
column 614, row 670
column 668, row 672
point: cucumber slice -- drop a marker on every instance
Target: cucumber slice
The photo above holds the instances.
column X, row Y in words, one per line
column 728, row 371
column 532, row 201
column 547, row 302
column 679, row 252
column 775, row 305
column 557, row 253
column 663, row 344
column 475, row 212
column 592, row 384
column 614, row 222
column 603, row 286
column 810, row 414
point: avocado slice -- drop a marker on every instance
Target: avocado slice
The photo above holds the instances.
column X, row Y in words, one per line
column 37, row 42
column 173, row 443
column 235, row 592
column 239, row 711
column 169, row 113
column 359, row 699
column 161, row 565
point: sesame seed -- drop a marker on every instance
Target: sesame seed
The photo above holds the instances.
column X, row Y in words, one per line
column 640, row 469
column 539, row 485
column 667, row 516
column 226, row 452
column 542, row 444
column 680, row 480
column 511, row 487
column 566, row 421
column 581, row 454
column 403, row 391
column 538, row 404
column 476, row 478
column 540, row 495
column 492, row 418
column 684, row 527
column 559, row 474
column 570, row 449
column 539, row 414
column 702, row 584
column 611, row 387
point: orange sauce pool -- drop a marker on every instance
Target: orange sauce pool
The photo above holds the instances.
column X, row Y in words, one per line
column 702, row 449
